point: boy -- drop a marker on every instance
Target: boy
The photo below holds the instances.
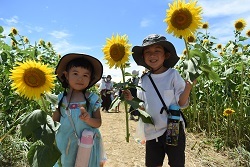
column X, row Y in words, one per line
column 159, row 56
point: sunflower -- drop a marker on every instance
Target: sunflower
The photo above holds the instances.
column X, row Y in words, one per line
column 205, row 41
column 41, row 42
column 14, row 31
column 191, row 38
column 240, row 24
column 184, row 52
column 219, row 46
column 228, row 111
column 205, row 25
column 117, row 50
column 248, row 33
column 183, row 19
column 31, row 79
column 26, row 40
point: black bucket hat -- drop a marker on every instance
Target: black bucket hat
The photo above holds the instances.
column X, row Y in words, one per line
column 155, row 39
column 97, row 66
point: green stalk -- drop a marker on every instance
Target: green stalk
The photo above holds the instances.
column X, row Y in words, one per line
column 193, row 88
column 126, row 106
column 241, row 97
column 44, row 105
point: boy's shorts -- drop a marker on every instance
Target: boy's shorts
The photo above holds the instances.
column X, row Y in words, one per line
column 155, row 151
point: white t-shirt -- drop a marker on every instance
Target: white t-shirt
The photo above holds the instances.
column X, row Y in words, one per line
column 170, row 85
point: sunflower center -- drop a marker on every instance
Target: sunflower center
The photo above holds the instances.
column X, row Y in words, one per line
column 34, row 77
column 117, row 52
column 181, row 19
column 239, row 25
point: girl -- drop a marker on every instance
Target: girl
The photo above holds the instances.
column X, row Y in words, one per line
column 78, row 109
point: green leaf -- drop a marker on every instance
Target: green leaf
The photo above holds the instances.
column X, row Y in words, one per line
column 242, row 38
column 1, row 29
column 47, row 136
column 4, row 56
column 115, row 102
column 228, row 71
column 32, row 121
column 146, row 118
column 52, row 98
column 53, row 124
column 214, row 76
column 192, row 69
column 43, row 156
column 134, row 103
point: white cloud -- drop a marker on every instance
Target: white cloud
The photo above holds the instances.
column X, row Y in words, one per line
column 59, row 34
column 224, row 8
column 221, row 16
column 13, row 20
column 64, row 47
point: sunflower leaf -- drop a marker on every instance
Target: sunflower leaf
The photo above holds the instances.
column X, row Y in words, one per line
column 32, row 121
column 192, row 69
column 145, row 117
column 135, row 103
column 52, row 98
column 42, row 155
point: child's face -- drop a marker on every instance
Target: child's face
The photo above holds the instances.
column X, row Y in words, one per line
column 154, row 56
column 78, row 78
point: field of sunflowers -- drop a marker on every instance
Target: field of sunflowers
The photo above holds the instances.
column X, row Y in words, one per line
column 219, row 102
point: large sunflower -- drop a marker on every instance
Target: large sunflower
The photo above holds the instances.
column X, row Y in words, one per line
column 183, row 19
column 117, row 50
column 31, row 79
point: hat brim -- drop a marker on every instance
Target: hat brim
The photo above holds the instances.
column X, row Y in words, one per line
column 97, row 66
column 170, row 62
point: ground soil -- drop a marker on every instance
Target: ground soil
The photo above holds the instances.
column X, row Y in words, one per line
column 121, row 153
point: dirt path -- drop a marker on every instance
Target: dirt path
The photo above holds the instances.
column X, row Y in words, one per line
column 123, row 154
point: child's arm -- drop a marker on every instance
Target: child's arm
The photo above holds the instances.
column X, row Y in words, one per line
column 94, row 122
column 56, row 116
column 185, row 94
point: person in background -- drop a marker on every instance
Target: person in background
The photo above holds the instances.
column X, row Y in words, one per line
column 159, row 56
column 102, row 87
column 106, row 93
column 78, row 109
column 135, row 81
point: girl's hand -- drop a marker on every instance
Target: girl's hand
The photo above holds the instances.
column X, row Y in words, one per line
column 84, row 116
column 127, row 94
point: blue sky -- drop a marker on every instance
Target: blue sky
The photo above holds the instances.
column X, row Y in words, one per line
column 83, row 25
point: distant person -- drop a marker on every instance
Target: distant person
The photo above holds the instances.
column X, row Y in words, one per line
column 135, row 81
column 102, row 87
column 106, row 93
column 159, row 56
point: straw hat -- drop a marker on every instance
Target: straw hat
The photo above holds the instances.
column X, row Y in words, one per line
column 97, row 66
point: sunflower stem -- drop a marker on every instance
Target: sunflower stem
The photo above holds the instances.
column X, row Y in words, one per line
column 44, row 105
column 126, row 106
column 193, row 90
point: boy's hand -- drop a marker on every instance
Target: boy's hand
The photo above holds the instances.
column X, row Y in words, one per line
column 190, row 85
